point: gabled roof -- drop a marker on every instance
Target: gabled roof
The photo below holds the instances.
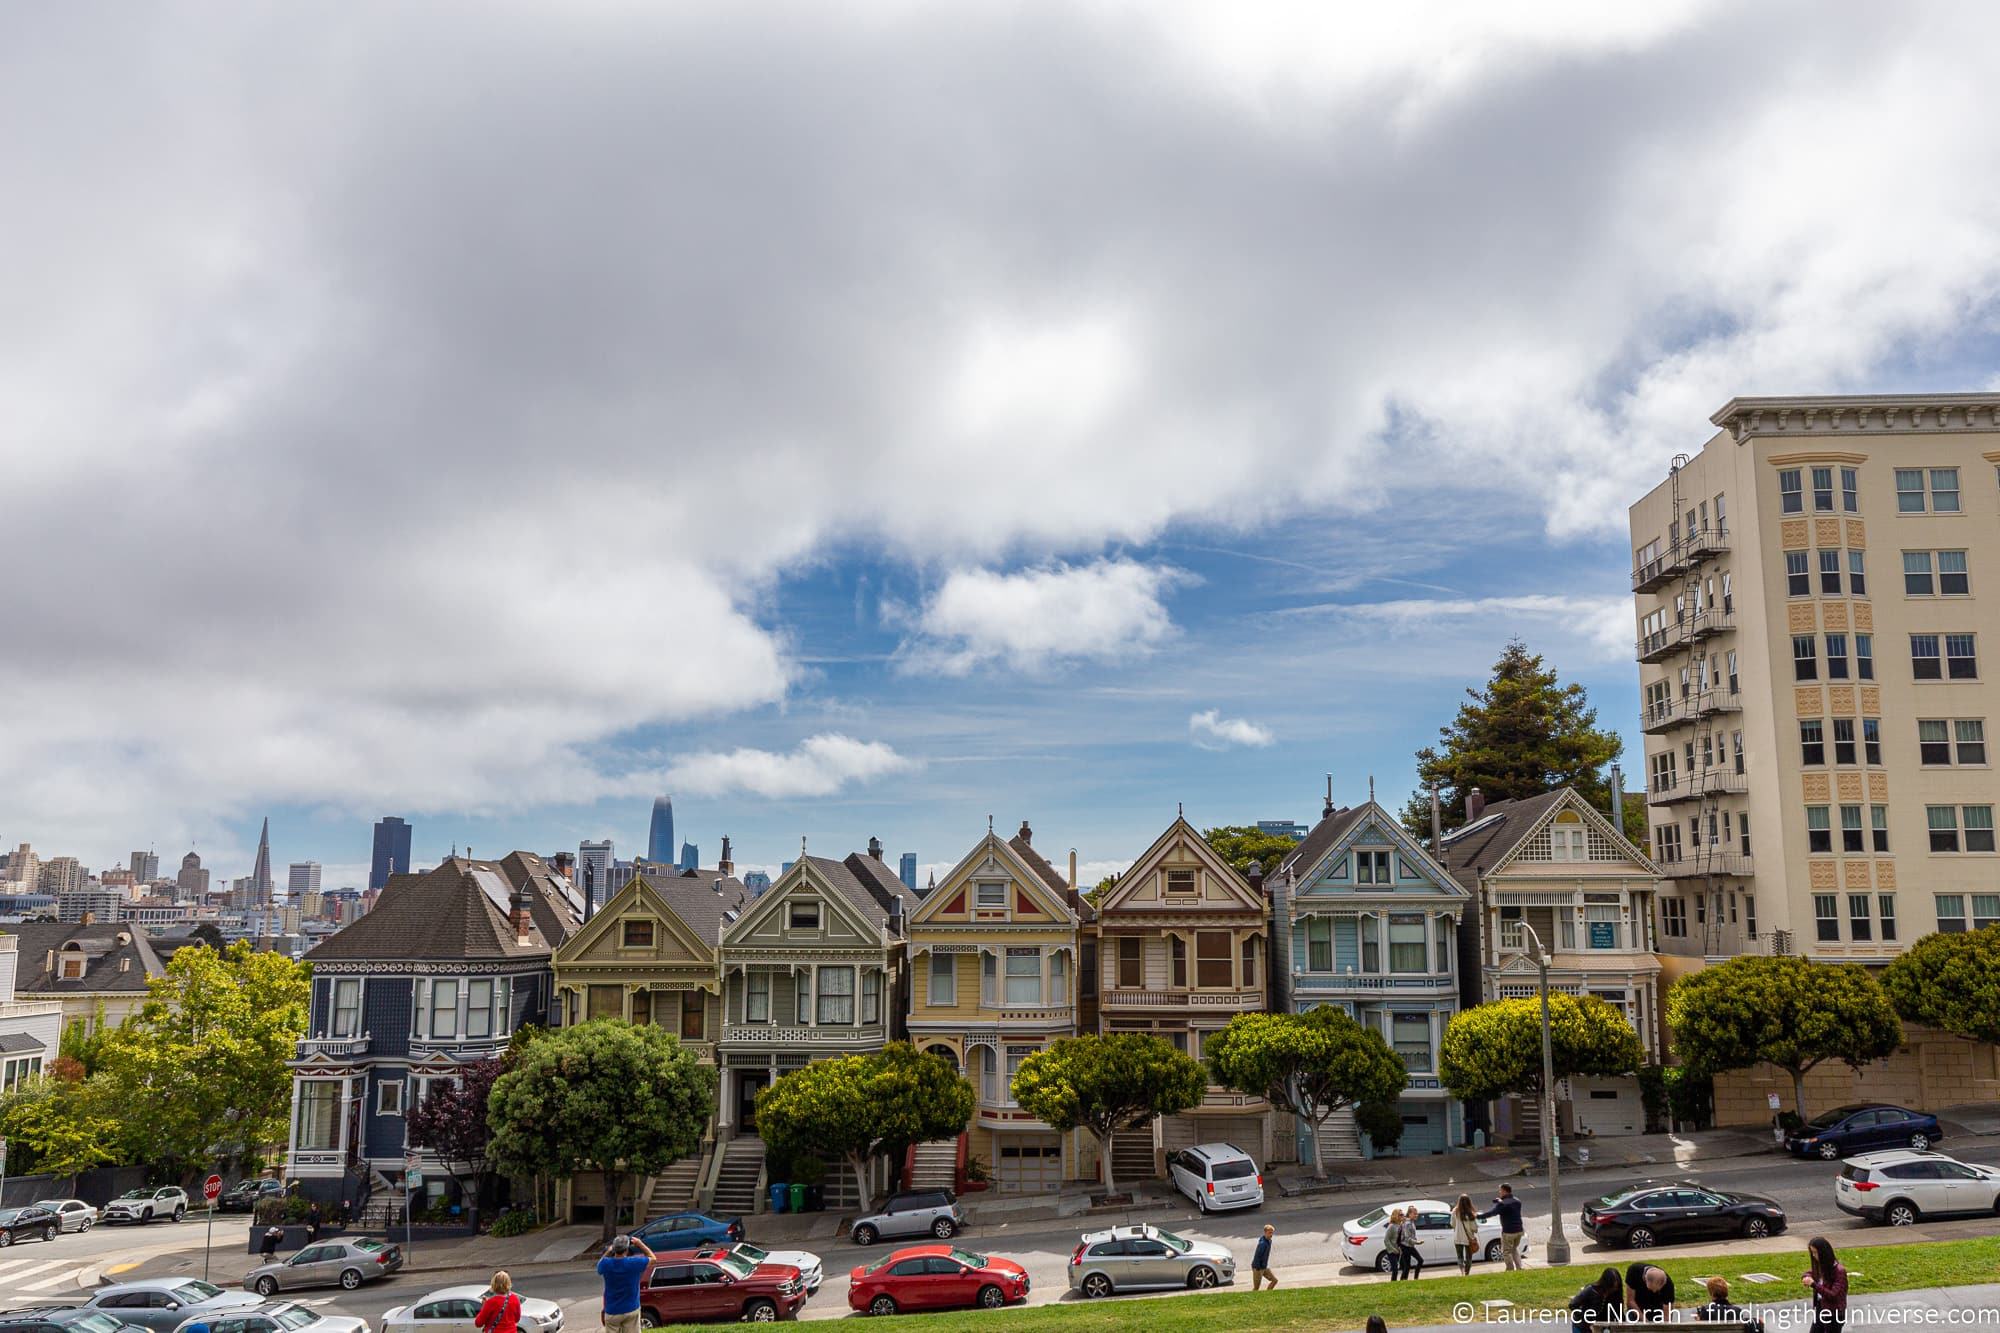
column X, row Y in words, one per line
column 1481, row 847
column 1182, row 832
column 117, row 957
column 1319, row 840
column 1024, row 847
column 460, row 910
column 1332, row 833
column 692, row 897
column 864, row 885
column 1029, row 864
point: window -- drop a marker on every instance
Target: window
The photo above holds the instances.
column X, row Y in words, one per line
column 802, row 1010
column 804, row 916
column 1791, row 498
column 1812, row 741
column 1663, row 771
column 989, row 1077
column 1319, row 944
column 479, row 1007
column 1944, row 490
column 1909, row 490
column 1822, row 478
column 1743, row 829
column 1798, row 574
column 1406, row 942
column 1444, row 929
column 1750, row 915
column 444, row 1007
column 1829, row 573
column 1371, row 944
column 1871, row 740
column 1180, row 881
column 319, row 1105
column 1864, row 657
column 1843, row 740
column 1925, row 663
column 1860, row 926
column 1836, row 657
column 1176, row 961
column 389, row 1098
column 1249, row 961
column 1934, row 741
column 1214, row 953
column 944, row 978
column 1851, row 838
column 1058, row 977
column 1978, row 828
column 72, row 966
column 757, row 997
column 1826, row 915
column 1850, row 490
column 836, row 994
column 1961, row 657
column 991, row 893
column 1917, row 574
column 1728, row 596
column 346, row 1007
column 1985, row 910
column 694, row 1016
column 1953, row 580
column 1131, row 970
column 1673, row 918
column 1885, row 911
column 1971, row 734
column 1410, row 1034
column 1857, row 573
column 1024, row 976
column 1878, row 818
column 1604, row 926
column 1805, row 658
column 1819, row 832
column 1015, row 1055
column 637, row 934
column 1371, row 867
column 1667, row 837
column 1736, row 751
column 1950, row 914
column 1943, row 821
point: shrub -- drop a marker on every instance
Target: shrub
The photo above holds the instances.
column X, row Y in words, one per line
column 514, row 1222
column 1690, row 1096
column 1382, row 1122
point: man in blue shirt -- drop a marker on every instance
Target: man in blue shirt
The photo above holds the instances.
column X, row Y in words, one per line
column 1260, row 1262
column 1509, row 1210
column 622, row 1271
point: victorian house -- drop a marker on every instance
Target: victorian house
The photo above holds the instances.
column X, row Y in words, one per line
column 440, row 974
column 811, row 968
column 1182, row 948
column 1553, row 868
column 1372, row 919
column 994, row 965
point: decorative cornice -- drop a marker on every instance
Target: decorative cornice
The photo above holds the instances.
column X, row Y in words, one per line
column 1859, row 414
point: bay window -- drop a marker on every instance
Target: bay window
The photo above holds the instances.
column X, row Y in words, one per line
column 1410, row 1034
column 346, row 1007
column 1319, row 944
column 1212, row 960
column 836, row 995
column 319, row 1114
column 1024, row 978
column 1406, row 942
column 757, row 997
column 444, row 1007
column 1058, row 977
column 694, row 1016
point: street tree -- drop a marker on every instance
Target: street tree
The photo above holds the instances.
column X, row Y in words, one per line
column 451, row 1121
column 604, row 1096
column 57, row 1125
column 1783, row 1011
column 1313, row 1064
column 1107, row 1084
column 1951, row 982
column 1246, row 845
column 865, row 1106
column 1493, row 1049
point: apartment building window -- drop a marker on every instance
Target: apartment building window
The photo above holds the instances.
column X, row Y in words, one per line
column 1950, row 913
column 1857, row 573
column 1944, row 490
column 1971, row 736
column 1319, row 944
column 1850, row 490
column 1812, row 741
column 1943, row 821
column 757, row 997
column 1843, row 740
column 1925, row 661
column 1829, row 573
column 1805, row 657
column 1819, row 830
column 1736, row 750
column 1961, row 657
column 1406, row 942
column 1701, row 909
column 1371, row 867
column 1213, row 950
column 1822, row 478
column 1871, row 740
column 1860, row 925
column 1885, row 912
column 836, row 995
column 346, row 1007
column 1673, row 918
column 1836, row 657
column 1878, row 817
column 1826, row 915
column 1910, row 490
column 1131, row 968
column 1721, row 512
column 1750, row 915
column 1953, row 578
column 1791, row 498
column 1177, row 962
column 1934, row 740
column 1668, row 838
column 1917, row 574
column 1798, row 574
column 1978, row 828
column 1864, row 657
column 1659, row 701
column 1944, row 827
column 1411, row 1036
column 1728, row 594
column 1743, row 829
column 944, row 979
column 1851, row 837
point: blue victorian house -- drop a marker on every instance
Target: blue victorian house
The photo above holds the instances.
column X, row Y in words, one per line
column 1368, row 920
column 440, row 974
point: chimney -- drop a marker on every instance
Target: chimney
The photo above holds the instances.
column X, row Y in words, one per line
column 718, row 888
column 725, row 865
column 1027, row 835
column 1475, row 805
column 1437, row 823
column 524, row 923
column 1256, row 877
column 89, row 918
column 1072, row 868
column 589, row 890
column 1328, row 808
column 875, row 848
column 896, row 915
column 1618, row 797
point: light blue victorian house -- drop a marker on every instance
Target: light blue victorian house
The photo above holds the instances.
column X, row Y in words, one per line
column 1370, row 921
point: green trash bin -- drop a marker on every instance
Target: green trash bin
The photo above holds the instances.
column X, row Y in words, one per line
column 798, row 1200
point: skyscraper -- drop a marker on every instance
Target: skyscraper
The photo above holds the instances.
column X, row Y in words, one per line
column 303, row 879
column 690, row 856
column 260, row 876
column 756, row 881
column 907, row 871
column 660, row 838
column 392, row 851
column 192, row 882
column 145, row 866
column 593, row 870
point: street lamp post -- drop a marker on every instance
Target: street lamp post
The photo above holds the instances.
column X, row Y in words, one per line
column 1551, row 1143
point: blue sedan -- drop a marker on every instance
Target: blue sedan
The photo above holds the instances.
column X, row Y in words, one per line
column 1847, row 1130
column 684, row 1231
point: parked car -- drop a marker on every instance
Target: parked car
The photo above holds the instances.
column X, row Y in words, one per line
column 144, row 1205
column 74, row 1214
column 62, row 1319
column 1902, row 1187
column 30, row 1222
column 453, row 1308
column 1665, row 1214
column 1363, row 1243
column 911, row 1213
column 349, row 1261
column 684, row 1231
column 1847, row 1130
column 688, row 1286
column 936, row 1277
column 164, row 1303
column 282, row 1317
column 811, row 1270
column 242, row 1197
column 1129, row 1258
column 1216, row 1176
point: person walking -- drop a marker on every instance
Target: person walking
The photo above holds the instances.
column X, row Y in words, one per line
column 501, row 1311
column 1260, row 1262
column 312, row 1224
column 1464, row 1232
column 1649, row 1291
column 622, row 1271
column 1392, row 1244
column 1602, row 1302
column 1508, row 1209
column 274, row 1236
column 1412, row 1243
column 1827, row 1280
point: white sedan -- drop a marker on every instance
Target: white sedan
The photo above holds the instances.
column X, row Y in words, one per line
column 1362, row 1244
column 453, row 1308
column 76, row 1215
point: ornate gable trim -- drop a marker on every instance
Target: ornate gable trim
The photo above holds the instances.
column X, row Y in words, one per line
column 1378, row 825
column 1177, row 833
column 991, row 857
column 832, row 900
column 602, row 921
column 1594, row 820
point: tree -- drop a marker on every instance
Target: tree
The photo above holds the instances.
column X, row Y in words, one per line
column 606, row 1096
column 1950, row 982
column 1245, row 845
column 1782, row 1011
column 1382, row 1122
column 1107, row 1084
column 865, row 1106
column 59, row 1126
column 199, row 1072
column 1312, row 1064
column 1496, row 1048
column 1522, row 735
column 451, row 1122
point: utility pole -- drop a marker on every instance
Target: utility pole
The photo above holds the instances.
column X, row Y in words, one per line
column 1551, row 1141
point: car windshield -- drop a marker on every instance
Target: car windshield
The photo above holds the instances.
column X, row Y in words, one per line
column 194, row 1289
column 969, row 1259
column 95, row 1323
column 1833, row 1117
column 1371, row 1219
column 751, row 1253
column 136, row 1194
column 1233, row 1170
column 1175, row 1243
column 296, row 1317
column 9, row 1214
column 734, row 1266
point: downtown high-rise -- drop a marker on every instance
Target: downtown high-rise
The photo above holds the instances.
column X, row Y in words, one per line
column 660, row 836
column 392, row 851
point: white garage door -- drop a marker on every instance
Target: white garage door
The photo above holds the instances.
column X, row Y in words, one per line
column 1608, row 1106
column 1028, row 1163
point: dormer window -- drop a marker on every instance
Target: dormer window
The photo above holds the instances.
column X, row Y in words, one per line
column 638, row 934
column 1180, row 882
column 1371, row 867
column 72, row 966
column 991, row 893
column 804, row 916
column 1568, row 839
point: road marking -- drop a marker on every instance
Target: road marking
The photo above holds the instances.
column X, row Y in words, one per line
column 125, row 1267
column 6, row 1264
column 67, row 1275
column 30, row 1271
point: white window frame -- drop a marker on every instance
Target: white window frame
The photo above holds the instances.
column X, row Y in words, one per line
column 999, row 897
column 389, row 1097
column 345, row 1020
column 835, row 984
column 1033, row 995
column 871, row 996
column 753, row 993
column 944, row 969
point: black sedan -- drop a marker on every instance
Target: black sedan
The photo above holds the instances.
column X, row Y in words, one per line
column 242, row 1197
column 1863, row 1127
column 33, row 1222
column 1648, row 1215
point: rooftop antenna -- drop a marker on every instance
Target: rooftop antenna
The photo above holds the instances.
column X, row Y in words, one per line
column 1180, row 811
column 1371, row 788
column 989, row 824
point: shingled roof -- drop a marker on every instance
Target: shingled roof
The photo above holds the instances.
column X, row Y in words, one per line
column 1471, row 851
column 116, row 957
column 864, row 882
column 459, row 910
column 1023, row 845
column 1319, row 840
column 693, row 897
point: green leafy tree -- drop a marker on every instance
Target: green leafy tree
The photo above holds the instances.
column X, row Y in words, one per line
column 59, row 1126
column 199, row 1073
column 865, row 1106
column 1245, row 845
column 82, row 1041
column 1525, row 733
column 451, row 1121
column 605, row 1096
column 1950, row 982
column 1382, row 1122
column 1107, row 1084
column 1496, row 1048
column 1783, row 1011
column 1312, row 1064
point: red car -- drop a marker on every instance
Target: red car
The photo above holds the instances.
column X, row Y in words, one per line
column 936, row 1277
column 689, row 1286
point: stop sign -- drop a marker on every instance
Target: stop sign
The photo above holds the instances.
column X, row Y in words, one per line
column 211, row 1189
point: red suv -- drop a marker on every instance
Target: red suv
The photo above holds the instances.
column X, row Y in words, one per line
column 936, row 1277
column 688, row 1286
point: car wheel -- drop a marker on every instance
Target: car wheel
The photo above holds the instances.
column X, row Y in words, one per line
column 647, row 1319
column 1920, row 1142
column 1756, row 1228
column 1096, row 1285
column 1383, row 1262
column 882, row 1305
column 1641, row 1238
column 180, row 1211
column 267, row 1287
column 1202, row 1278
column 1901, row 1213
column 865, row 1234
column 1829, row 1151
column 87, row 1223
column 761, row 1312
column 991, row 1298
column 944, row 1228
column 350, row 1279
column 6, row 1239
column 48, row 1233
column 1492, row 1251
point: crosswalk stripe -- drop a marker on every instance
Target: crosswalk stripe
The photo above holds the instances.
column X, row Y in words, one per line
column 12, row 1278
column 67, row 1275
column 6, row 1264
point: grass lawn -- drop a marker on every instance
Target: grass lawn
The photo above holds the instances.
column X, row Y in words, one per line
column 1878, row 1268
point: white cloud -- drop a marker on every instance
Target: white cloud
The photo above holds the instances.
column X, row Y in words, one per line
column 1211, row 731
column 1603, row 623
column 822, row 765
column 1036, row 619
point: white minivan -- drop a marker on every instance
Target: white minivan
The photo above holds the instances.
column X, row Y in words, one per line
column 1217, row 1176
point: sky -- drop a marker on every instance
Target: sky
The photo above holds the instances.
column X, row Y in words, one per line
column 869, row 419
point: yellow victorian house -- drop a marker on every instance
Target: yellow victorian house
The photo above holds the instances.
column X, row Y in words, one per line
column 994, row 954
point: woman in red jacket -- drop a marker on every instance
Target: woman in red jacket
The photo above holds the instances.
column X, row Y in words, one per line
column 501, row 1312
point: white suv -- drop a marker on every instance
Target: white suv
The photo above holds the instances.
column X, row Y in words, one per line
column 1903, row 1186
column 1217, row 1176
column 147, row 1204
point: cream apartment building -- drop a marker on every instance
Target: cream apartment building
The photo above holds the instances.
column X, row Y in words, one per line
column 1814, row 593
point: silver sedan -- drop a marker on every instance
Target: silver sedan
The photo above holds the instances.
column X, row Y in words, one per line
column 76, row 1215
column 1134, row 1257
